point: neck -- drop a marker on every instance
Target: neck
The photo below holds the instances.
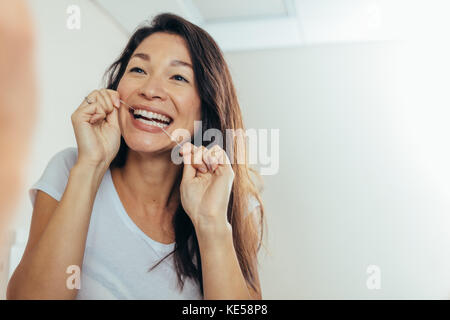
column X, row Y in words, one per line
column 151, row 182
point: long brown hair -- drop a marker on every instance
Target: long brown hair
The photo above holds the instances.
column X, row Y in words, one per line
column 220, row 110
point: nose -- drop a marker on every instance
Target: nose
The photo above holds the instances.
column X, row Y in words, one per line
column 153, row 88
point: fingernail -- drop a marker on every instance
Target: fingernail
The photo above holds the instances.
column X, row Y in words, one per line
column 203, row 169
column 117, row 102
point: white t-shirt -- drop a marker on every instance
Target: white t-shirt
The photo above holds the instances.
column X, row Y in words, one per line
column 118, row 254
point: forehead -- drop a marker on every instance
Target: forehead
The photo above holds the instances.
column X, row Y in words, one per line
column 165, row 45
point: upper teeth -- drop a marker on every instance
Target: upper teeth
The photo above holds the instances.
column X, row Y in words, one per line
column 151, row 115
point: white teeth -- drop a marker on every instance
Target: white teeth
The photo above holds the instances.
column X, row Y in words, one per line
column 151, row 115
column 153, row 123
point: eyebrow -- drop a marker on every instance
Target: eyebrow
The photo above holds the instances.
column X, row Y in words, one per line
column 174, row 63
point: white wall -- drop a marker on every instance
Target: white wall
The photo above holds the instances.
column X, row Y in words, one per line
column 362, row 180
column 352, row 190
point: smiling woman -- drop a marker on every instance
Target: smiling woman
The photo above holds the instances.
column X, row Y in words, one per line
column 139, row 225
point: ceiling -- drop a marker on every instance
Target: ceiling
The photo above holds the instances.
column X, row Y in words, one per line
column 264, row 24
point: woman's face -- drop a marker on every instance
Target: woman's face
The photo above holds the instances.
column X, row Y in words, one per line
column 159, row 79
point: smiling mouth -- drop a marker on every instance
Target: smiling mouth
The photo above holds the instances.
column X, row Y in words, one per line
column 151, row 118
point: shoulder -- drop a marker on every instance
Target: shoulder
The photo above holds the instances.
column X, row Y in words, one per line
column 54, row 178
column 68, row 156
column 63, row 160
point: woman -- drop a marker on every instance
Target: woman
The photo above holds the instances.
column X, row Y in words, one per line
column 138, row 224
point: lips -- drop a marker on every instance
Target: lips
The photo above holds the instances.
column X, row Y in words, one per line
column 150, row 116
column 152, row 113
column 153, row 122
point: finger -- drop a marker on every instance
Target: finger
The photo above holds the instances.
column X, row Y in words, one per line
column 89, row 111
column 216, row 153
column 207, row 159
column 95, row 107
column 86, row 111
column 213, row 158
column 188, row 169
column 213, row 163
column 113, row 117
column 101, row 106
column 95, row 118
column 114, row 97
column 205, row 162
column 198, row 160
column 88, row 108
column 101, row 103
column 218, row 157
column 91, row 98
column 185, row 148
column 99, row 110
column 109, row 106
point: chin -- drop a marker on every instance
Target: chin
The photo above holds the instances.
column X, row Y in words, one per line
column 147, row 143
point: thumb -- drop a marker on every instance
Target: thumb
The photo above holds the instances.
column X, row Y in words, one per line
column 188, row 169
column 113, row 118
column 86, row 113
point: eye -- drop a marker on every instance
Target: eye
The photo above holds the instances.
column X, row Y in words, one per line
column 182, row 79
column 136, row 69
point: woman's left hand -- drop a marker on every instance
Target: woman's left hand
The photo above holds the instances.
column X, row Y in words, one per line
column 206, row 185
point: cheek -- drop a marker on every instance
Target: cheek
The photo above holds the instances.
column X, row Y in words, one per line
column 191, row 109
column 191, row 114
column 124, row 90
column 198, row 111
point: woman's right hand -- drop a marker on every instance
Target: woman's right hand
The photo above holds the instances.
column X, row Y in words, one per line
column 96, row 127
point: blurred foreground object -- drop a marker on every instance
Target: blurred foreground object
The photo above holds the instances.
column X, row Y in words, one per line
column 17, row 103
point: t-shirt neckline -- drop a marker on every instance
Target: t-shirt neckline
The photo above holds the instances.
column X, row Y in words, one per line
column 162, row 247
